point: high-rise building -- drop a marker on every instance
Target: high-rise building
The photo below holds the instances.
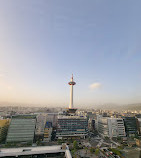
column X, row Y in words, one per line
column 116, row 127
column 130, row 126
column 52, row 117
column 21, row 129
column 40, row 125
column 4, row 124
column 102, row 126
column 111, row 127
column 72, row 126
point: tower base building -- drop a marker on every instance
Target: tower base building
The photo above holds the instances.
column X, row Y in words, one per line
column 69, row 125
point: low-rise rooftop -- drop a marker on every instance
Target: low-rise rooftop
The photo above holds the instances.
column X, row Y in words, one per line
column 35, row 150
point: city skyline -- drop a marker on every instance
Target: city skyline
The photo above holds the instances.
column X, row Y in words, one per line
column 43, row 42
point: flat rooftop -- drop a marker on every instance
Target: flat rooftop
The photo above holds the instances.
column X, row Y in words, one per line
column 71, row 117
column 35, row 150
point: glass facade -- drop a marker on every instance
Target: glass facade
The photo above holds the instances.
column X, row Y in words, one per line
column 130, row 126
column 21, row 129
column 71, row 126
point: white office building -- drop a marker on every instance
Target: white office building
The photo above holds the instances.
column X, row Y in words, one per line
column 110, row 127
column 116, row 127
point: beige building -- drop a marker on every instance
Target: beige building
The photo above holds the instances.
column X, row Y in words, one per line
column 4, row 124
column 48, row 132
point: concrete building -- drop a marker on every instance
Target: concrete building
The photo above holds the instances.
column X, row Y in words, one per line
column 139, row 125
column 71, row 126
column 110, row 127
column 21, row 129
column 91, row 124
column 4, row 124
column 40, row 125
column 116, row 127
column 56, row 151
column 52, row 117
column 102, row 126
column 48, row 131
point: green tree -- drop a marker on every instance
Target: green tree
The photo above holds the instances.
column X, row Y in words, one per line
column 72, row 152
column 106, row 138
column 96, row 152
column 116, row 151
column 86, row 149
column 60, row 141
column 121, row 147
column 38, row 142
column 118, row 138
column 75, row 145
column 92, row 150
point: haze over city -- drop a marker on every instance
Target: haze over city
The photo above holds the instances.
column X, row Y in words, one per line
column 43, row 42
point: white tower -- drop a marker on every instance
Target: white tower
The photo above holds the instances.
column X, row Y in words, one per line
column 71, row 83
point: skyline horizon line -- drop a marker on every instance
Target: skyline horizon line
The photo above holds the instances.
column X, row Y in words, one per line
column 65, row 105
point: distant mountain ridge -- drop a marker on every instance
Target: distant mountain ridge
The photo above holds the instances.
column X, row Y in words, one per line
column 108, row 106
column 136, row 106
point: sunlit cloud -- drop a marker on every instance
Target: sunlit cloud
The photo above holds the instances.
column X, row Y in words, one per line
column 95, row 85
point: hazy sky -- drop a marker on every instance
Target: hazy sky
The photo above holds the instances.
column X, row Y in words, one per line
column 42, row 42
